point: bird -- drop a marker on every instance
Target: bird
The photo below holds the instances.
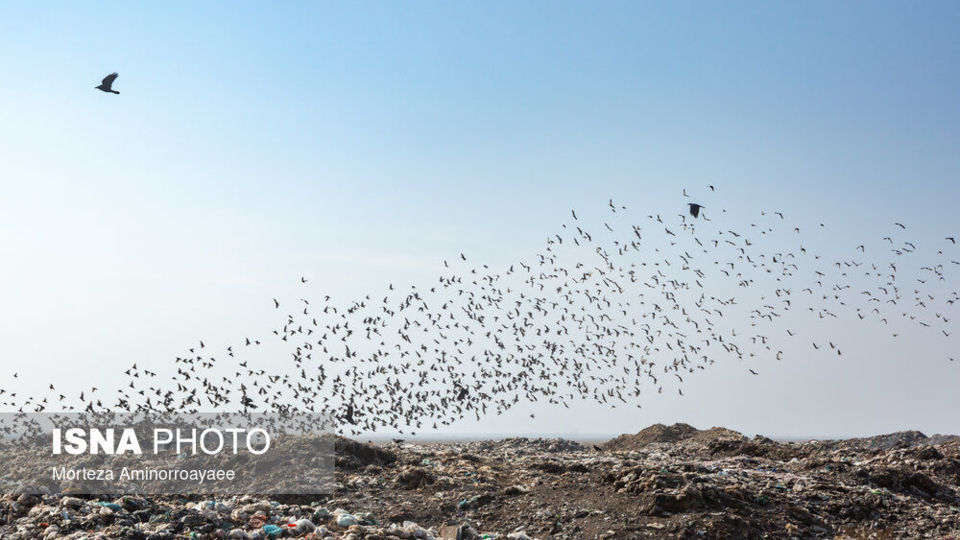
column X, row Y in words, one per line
column 695, row 209
column 107, row 84
column 482, row 338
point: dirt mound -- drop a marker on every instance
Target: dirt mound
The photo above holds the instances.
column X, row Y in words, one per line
column 889, row 441
column 758, row 447
column 939, row 438
column 659, row 433
column 353, row 455
column 539, row 444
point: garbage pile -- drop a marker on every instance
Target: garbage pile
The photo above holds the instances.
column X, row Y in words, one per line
column 666, row 481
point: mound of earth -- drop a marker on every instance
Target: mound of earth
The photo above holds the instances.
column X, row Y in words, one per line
column 524, row 443
column 890, row 441
column 353, row 455
column 659, row 433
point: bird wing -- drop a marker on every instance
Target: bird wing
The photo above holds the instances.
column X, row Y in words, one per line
column 108, row 80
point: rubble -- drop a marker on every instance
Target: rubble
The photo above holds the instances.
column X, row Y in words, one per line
column 665, row 481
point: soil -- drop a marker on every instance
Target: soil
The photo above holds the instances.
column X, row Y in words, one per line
column 665, row 481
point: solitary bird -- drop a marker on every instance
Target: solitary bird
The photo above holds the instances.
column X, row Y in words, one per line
column 695, row 209
column 107, row 84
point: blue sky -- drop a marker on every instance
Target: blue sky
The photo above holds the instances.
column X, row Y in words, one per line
column 253, row 143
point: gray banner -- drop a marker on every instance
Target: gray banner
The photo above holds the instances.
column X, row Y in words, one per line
column 165, row 454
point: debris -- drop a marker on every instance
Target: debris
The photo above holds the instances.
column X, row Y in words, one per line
column 664, row 482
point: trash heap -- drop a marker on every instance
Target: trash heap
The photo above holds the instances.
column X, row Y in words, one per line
column 666, row 481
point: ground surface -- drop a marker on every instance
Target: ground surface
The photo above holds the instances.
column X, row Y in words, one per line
column 666, row 481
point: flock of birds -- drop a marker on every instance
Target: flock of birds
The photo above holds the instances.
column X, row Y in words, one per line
column 595, row 315
column 601, row 312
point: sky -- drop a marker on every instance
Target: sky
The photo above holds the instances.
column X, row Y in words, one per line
column 363, row 143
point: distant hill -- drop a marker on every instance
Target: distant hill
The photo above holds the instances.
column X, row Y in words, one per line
column 659, row 433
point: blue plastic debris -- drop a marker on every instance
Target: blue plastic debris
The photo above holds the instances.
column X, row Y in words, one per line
column 272, row 529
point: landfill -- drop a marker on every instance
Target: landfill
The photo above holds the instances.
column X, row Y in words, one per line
column 663, row 482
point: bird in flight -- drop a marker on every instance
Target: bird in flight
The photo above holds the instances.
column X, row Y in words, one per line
column 405, row 339
column 107, row 84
